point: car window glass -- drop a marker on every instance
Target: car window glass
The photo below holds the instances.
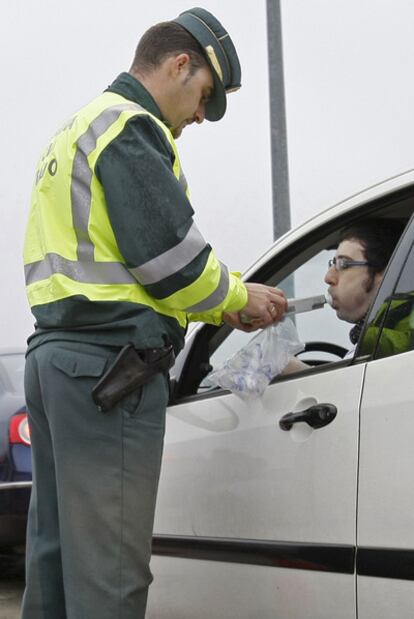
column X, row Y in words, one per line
column 299, row 266
column 406, row 280
column 320, row 325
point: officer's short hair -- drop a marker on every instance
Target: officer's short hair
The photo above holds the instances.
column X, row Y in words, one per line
column 164, row 40
column 378, row 238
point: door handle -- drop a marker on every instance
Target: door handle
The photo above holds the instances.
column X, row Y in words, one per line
column 316, row 416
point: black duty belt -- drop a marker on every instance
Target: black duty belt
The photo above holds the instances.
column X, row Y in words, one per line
column 131, row 369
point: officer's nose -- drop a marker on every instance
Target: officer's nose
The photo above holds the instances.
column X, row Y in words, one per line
column 200, row 113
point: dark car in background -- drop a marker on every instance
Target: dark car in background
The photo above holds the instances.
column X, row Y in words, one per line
column 15, row 450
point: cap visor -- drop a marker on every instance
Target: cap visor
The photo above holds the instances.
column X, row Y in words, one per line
column 216, row 107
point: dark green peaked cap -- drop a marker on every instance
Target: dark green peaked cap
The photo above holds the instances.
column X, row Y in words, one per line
column 220, row 53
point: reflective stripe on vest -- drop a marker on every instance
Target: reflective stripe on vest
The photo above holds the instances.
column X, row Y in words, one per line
column 151, row 272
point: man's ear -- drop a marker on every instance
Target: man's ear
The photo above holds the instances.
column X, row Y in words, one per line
column 378, row 277
column 180, row 63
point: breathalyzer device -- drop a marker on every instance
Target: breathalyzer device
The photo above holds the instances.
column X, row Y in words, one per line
column 307, row 304
column 298, row 306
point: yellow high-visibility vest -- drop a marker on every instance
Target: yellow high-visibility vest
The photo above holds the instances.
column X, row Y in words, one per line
column 70, row 247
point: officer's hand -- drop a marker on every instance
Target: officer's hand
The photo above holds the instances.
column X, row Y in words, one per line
column 233, row 319
column 265, row 305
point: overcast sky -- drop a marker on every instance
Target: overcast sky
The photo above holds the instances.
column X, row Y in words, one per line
column 349, row 96
column 349, row 111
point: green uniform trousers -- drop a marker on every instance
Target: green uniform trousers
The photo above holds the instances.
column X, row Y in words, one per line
column 95, row 479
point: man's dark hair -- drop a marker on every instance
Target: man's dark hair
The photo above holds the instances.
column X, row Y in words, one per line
column 378, row 237
column 164, row 40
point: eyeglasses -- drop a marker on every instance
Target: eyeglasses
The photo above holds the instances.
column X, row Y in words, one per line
column 341, row 264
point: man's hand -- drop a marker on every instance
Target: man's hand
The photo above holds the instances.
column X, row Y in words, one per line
column 265, row 305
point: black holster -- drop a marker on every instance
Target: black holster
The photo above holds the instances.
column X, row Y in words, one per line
column 131, row 369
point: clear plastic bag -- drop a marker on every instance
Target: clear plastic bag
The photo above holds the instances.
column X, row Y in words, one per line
column 248, row 372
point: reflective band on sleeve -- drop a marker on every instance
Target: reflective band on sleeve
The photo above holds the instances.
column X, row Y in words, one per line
column 82, row 175
column 171, row 261
column 85, row 272
column 216, row 297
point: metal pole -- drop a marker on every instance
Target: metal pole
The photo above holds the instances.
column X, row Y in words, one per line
column 279, row 153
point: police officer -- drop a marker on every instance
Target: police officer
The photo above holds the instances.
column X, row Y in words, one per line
column 115, row 269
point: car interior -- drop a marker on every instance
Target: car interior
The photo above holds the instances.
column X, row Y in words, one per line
column 299, row 271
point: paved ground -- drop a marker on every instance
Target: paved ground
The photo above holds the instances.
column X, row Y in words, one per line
column 11, row 585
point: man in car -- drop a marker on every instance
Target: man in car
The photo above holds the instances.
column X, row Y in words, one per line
column 115, row 269
column 356, row 272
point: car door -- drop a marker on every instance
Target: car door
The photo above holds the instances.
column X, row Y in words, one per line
column 385, row 562
column 256, row 521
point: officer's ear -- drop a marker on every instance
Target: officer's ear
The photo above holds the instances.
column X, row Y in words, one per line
column 179, row 65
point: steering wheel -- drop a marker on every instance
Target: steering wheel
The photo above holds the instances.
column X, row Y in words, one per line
column 328, row 347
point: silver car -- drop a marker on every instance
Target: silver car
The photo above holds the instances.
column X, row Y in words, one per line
column 264, row 513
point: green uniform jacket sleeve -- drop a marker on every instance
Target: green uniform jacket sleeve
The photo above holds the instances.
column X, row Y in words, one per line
column 152, row 219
